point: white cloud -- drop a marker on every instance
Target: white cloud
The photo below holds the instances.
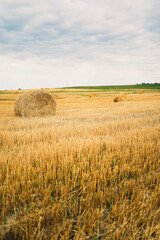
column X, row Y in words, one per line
column 86, row 42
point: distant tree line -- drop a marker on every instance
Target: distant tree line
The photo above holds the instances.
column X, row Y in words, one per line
column 147, row 83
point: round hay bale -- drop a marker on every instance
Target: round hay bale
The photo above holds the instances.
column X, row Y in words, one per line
column 93, row 95
column 34, row 104
column 141, row 92
column 120, row 98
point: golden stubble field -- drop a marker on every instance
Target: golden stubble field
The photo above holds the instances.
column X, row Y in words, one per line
column 90, row 172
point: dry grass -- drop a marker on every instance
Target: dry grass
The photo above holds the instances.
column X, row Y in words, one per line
column 90, row 172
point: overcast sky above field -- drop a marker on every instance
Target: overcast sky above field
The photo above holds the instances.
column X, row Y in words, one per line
column 53, row 43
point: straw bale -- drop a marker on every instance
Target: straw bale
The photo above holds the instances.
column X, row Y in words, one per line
column 120, row 98
column 93, row 95
column 141, row 92
column 35, row 103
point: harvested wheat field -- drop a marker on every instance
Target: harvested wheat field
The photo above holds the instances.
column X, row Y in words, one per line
column 92, row 171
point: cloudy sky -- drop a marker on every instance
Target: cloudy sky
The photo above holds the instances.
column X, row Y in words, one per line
column 53, row 43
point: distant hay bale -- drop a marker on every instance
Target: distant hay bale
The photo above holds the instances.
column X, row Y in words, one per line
column 120, row 98
column 141, row 92
column 134, row 92
column 34, row 104
column 93, row 95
